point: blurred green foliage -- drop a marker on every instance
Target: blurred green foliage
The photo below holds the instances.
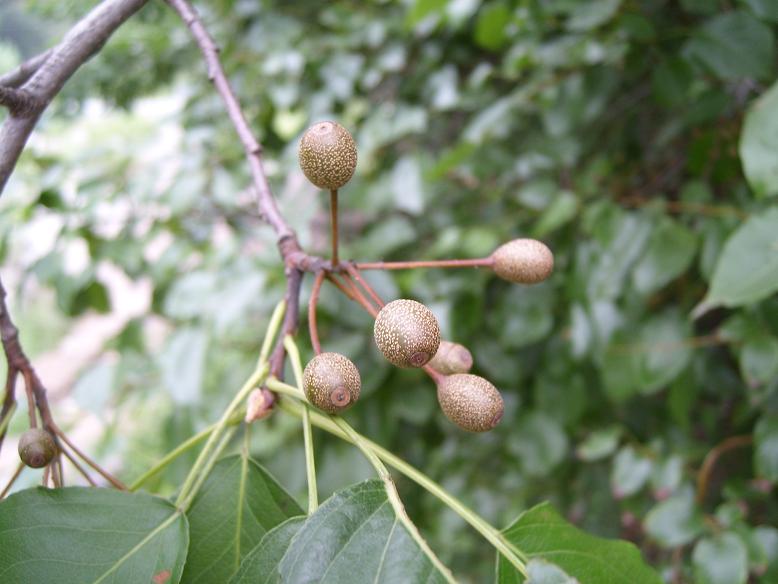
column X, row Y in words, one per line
column 636, row 138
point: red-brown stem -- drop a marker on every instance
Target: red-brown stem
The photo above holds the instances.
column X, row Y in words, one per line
column 352, row 269
column 313, row 329
column 334, row 220
column 703, row 478
column 79, row 468
column 473, row 263
column 436, row 376
column 359, row 297
column 105, row 474
column 340, row 286
column 11, row 482
column 28, row 385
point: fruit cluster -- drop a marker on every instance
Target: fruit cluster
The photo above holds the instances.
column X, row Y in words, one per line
column 406, row 332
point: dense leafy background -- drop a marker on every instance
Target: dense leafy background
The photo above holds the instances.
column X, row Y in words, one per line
column 638, row 139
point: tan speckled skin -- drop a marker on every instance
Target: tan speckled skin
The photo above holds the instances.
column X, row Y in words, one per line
column 523, row 261
column 36, row 448
column 471, row 402
column 452, row 358
column 404, row 329
column 328, row 155
column 324, row 374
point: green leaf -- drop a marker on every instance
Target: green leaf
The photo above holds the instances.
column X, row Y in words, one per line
column 764, row 9
column 356, row 537
column 630, row 472
column 541, row 533
column 541, row 572
column 734, row 45
column 675, row 521
column 720, row 560
column 236, row 506
column 747, row 270
column 759, row 143
column 260, row 566
column 599, row 444
column 766, row 453
column 490, row 26
column 670, row 250
column 589, row 15
column 80, row 535
column 539, row 442
column 648, row 359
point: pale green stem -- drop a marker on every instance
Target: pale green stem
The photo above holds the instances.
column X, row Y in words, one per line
column 207, row 468
column 7, row 418
column 171, row 456
column 273, row 326
column 491, row 534
column 201, row 465
column 310, row 465
column 392, row 494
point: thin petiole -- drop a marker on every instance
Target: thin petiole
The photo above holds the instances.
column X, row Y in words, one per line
column 467, row 263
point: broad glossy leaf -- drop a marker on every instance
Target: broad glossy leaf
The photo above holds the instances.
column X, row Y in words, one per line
column 541, row 533
column 77, row 535
column 356, row 537
column 236, row 506
column 260, row 566
column 759, row 143
column 630, row 472
column 747, row 270
column 720, row 560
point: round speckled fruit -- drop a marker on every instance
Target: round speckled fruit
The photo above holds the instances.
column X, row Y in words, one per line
column 451, row 358
column 328, row 155
column 407, row 333
column 331, row 382
column 523, row 261
column 36, row 448
column 471, row 402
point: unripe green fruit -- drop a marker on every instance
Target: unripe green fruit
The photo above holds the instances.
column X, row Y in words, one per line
column 452, row 358
column 407, row 333
column 328, row 155
column 331, row 382
column 523, row 261
column 471, row 402
column 36, row 448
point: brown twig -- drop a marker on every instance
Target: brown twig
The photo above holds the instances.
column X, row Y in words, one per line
column 24, row 71
column 105, row 474
column 78, row 467
column 470, row 263
column 11, row 482
column 313, row 329
column 703, row 478
column 30, row 99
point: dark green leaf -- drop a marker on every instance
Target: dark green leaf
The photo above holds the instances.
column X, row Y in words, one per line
column 734, row 45
column 77, row 535
column 588, row 15
column 236, row 506
column 541, row 533
column 766, row 453
column 670, row 251
column 356, row 537
column 759, row 143
column 490, row 27
column 260, row 566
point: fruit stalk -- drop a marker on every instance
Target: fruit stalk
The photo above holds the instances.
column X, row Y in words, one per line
column 466, row 263
column 334, row 221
